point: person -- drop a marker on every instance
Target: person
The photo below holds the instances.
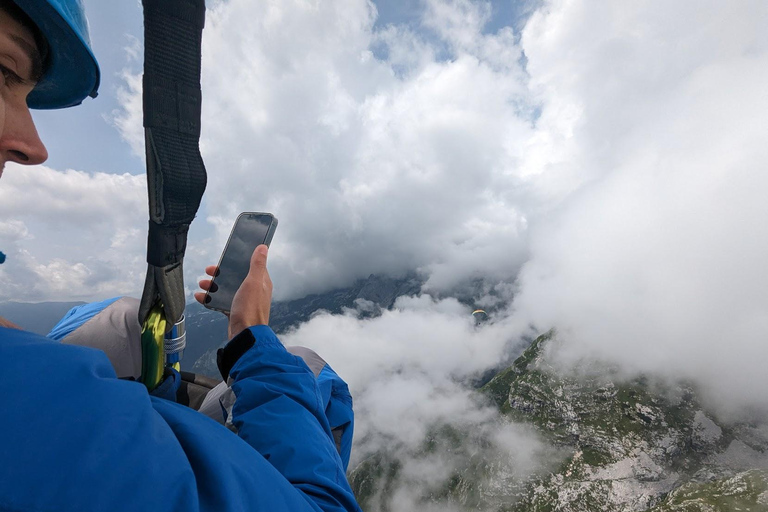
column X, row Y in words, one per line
column 75, row 437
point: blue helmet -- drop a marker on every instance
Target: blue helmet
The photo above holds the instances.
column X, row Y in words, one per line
column 71, row 71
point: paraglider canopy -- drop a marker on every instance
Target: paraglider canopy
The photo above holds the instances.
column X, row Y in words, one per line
column 480, row 316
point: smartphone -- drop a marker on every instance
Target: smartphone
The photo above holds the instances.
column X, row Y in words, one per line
column 251, row 229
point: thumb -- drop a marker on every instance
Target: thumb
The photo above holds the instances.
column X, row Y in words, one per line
column 259, row 258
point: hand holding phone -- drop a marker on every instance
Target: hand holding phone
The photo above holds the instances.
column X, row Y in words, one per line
column 252, row 301
column 251, row 229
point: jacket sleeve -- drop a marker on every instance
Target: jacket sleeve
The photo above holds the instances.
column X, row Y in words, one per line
column 74, row 437
column 279, row 410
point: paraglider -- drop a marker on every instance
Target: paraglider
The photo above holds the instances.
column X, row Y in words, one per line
column 480, row 316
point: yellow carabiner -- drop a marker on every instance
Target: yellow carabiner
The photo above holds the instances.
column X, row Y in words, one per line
column 152, row 352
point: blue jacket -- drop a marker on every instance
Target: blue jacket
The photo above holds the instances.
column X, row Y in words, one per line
column 74, row 437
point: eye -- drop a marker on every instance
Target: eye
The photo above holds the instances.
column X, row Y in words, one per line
column 9, row 77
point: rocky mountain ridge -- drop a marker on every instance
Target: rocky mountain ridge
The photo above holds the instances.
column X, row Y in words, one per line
column 634, row 445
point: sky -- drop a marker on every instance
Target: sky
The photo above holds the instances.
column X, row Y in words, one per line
column 600, row 165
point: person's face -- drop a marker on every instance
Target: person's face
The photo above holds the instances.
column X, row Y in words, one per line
column 19, row 141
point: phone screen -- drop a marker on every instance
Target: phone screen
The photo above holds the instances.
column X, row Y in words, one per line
column 250, row 230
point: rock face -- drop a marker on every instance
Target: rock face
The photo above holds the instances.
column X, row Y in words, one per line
column 627, row 446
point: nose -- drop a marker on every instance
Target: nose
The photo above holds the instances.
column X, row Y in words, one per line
column 19, row 141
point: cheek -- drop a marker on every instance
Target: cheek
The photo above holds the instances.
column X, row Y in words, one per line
column 2, row 117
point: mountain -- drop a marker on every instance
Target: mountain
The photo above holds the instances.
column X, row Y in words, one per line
column 627, row 446
column 36, row 317
column 206, row 330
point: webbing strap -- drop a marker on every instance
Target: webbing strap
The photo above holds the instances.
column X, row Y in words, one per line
column 176, row 176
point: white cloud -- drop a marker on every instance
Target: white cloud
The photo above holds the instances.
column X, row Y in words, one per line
column 13, row 230
column 459, row 22
column 372, row 165
column 129, row 118
column 656, row 261
column 71, row 235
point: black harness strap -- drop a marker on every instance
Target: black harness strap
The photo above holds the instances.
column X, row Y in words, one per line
column 176, row 176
